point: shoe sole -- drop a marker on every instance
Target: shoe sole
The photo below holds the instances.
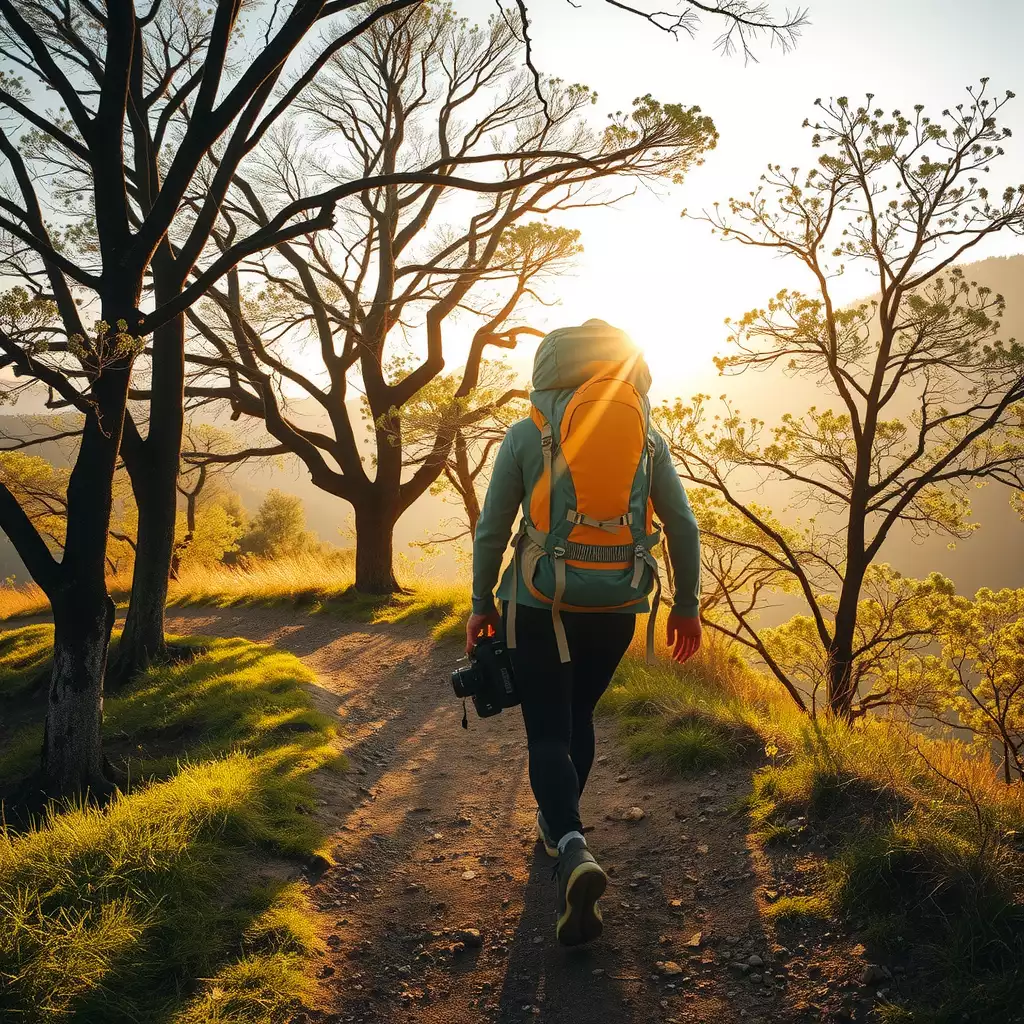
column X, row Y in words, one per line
column 551, row 851
column 582, row 920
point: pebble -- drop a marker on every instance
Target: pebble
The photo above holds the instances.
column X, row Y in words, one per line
column 468, row 876
column 633, row 814
column 873, row 974
column 470, row 937
column 668, row 967
column 755, row 961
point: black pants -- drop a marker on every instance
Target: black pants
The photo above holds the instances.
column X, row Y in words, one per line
column 558, row 701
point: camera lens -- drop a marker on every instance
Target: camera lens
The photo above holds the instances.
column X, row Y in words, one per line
column 463, row 681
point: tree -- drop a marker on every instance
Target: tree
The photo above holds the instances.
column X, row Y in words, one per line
column 928, row 396
column 161, row 112
column 41, row 490
column 897, row 618
column 418, row 88
column 214, row 518
column 129, row 162
column 977, row 683
column 279, row 527
column 481, row 421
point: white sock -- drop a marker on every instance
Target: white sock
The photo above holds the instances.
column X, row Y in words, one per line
column 567, row 838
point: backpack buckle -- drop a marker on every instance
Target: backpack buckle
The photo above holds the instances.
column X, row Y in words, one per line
column 558, row 551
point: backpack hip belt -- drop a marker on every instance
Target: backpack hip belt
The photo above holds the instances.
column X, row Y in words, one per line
column 530, row 544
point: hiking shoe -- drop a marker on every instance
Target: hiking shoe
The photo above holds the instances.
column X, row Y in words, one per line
column 581, row 883
column 550, row 845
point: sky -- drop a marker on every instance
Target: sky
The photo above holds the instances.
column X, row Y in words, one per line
column 667, row 280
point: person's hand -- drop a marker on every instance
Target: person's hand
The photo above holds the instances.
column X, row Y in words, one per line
column 481, row 624
column 683, row 634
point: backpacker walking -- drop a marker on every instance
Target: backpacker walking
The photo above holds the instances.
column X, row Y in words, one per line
column 589, row 474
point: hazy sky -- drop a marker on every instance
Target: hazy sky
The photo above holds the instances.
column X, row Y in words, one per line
column 668, row 280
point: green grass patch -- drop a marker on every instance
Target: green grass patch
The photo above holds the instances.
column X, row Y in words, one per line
column 680, row 744
column 919, row 875
column 673, row 718
column 176, row 903
column 24, row 654
column 917, row 843
column 443, row 607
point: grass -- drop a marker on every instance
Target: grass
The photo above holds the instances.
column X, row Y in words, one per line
column 177, row 902
column 919, row 845
column 924, row 861
column 19, row 602
column 314, row 582
column 711, row 712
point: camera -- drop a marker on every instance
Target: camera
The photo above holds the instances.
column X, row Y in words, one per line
column 488, row 678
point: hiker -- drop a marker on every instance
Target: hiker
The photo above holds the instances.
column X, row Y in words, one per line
column 589, row 473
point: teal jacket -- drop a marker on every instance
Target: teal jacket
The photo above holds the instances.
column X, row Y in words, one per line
column 519, row 459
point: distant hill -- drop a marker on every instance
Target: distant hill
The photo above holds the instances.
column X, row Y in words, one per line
column 994, row 556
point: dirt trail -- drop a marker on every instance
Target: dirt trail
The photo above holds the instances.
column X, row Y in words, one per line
column 441, row 908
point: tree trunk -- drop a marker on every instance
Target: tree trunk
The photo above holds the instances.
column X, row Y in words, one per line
column 154, row 476
column 142, row 641
column 467, row 484
column 375, row 549
column 842, row 682
column 841, row 687
column 83, row 613
column 72, row 745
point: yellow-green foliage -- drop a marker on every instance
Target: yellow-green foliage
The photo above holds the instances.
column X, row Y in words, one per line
column 154, row 908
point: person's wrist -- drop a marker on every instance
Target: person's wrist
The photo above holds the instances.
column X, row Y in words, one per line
column 687, row 611
column 483, row 605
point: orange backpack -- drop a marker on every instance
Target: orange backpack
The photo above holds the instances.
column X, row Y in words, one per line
column 585, row 540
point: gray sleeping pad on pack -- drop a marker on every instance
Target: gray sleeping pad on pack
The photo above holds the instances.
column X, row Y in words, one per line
column 570, row 356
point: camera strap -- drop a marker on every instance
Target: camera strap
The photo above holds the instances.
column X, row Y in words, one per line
column 465, row 717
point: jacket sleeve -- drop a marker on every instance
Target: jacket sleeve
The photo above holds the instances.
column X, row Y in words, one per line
column 681, row 532
column 494, row 527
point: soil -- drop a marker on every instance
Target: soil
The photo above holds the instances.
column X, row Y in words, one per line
column 440, row 906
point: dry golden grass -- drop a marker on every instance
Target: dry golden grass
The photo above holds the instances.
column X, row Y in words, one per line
column 314, row 582
column 310, row 578
column 22, row 601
